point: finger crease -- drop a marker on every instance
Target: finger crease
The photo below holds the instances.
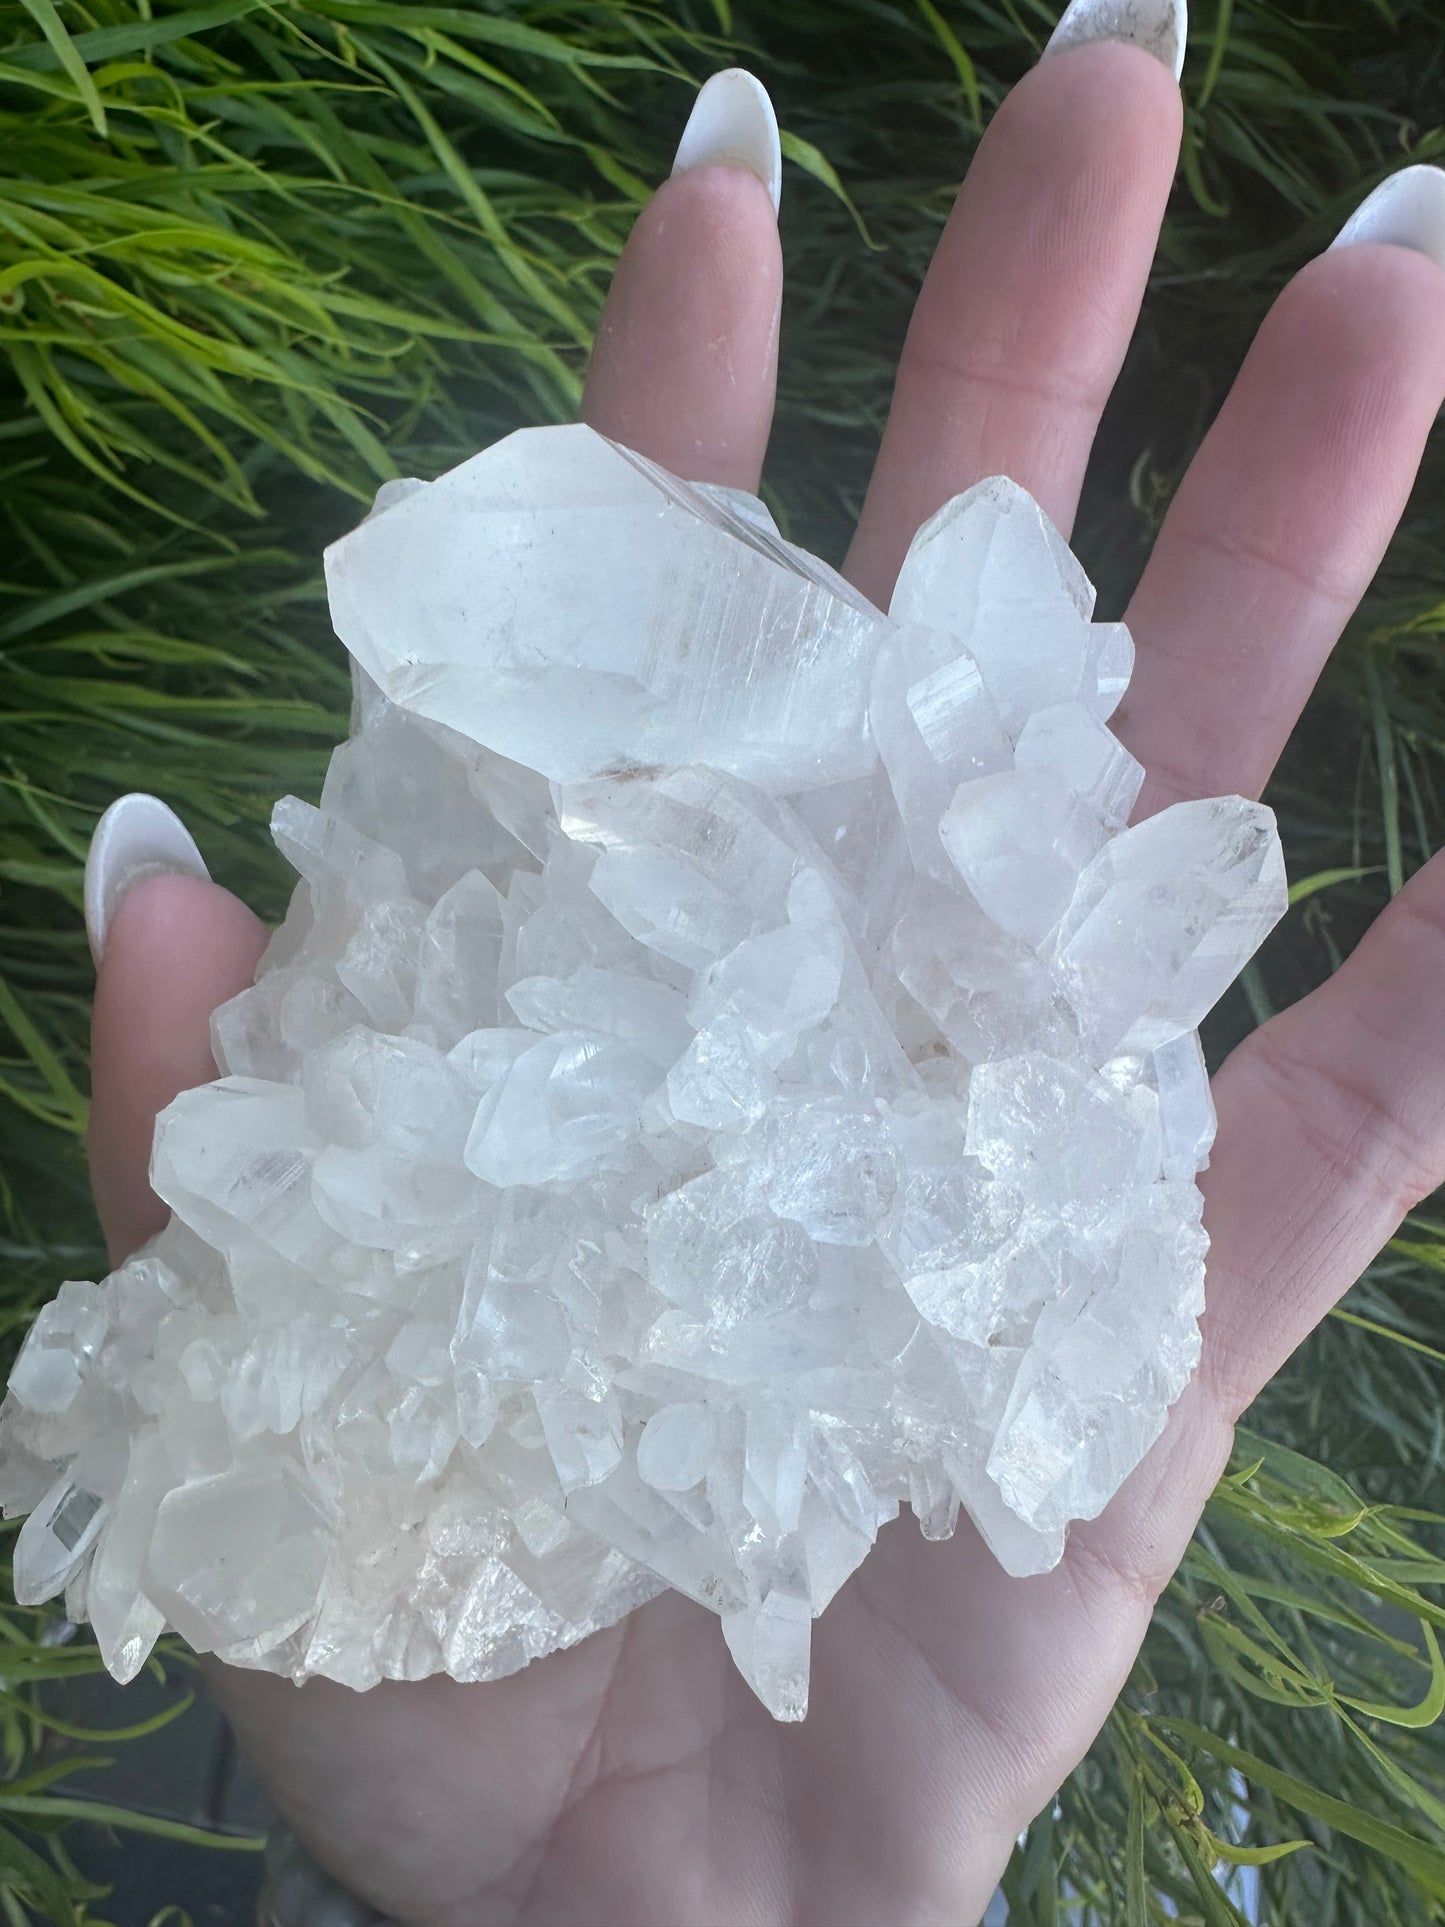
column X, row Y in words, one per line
column 1234, row 547
column 1361, row 1138
column 1086, row 399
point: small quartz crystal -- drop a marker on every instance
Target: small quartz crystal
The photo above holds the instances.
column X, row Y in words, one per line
column 729, row 1070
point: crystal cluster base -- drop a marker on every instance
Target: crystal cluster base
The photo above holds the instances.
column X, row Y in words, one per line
column 728, row 1071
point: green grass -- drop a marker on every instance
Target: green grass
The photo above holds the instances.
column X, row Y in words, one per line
column 256, row 257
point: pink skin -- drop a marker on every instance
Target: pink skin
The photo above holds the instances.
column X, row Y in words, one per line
column 635, row 1779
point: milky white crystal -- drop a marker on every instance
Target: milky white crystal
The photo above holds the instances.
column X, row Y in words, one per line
column 728, row 1070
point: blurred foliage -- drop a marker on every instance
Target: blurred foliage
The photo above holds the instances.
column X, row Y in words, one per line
column 256, row 256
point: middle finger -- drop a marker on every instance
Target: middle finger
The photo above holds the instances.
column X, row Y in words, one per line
column 1027, row 310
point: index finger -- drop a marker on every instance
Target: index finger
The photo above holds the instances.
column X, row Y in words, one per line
column 686, row 362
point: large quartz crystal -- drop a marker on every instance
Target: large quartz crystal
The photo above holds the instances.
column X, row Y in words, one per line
column 729, row 1070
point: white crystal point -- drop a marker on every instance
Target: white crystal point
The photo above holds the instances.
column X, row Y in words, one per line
column 991, row 567
column 675, row 1448
column 56, row 1540
column 771, row 1648
column 1020, row 841
column 236, row 1561
column 66, row 1335
column 727, row 1072
column 937, row 726
column 1166, row 917
column 1186, row 1107
column 578, row 610
column 563, row 1111
column 125, row 1620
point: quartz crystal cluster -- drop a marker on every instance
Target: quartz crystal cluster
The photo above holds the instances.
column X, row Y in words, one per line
column 728, row 1071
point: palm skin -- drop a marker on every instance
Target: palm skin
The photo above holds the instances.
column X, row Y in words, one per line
column 635, row 1779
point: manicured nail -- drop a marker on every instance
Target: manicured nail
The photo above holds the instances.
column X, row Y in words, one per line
column 1408, row 211
column 138, row 837
column 1160, row 27
column 732, row 123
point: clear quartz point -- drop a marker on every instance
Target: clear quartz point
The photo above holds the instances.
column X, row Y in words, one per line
column 729, row 1071
column 530, row 599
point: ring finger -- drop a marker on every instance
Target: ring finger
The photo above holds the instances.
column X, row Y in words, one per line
column 1287, row 509
column 1026, row 313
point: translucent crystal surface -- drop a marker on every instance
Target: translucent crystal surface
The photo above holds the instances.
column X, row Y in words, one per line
column 728, row 1071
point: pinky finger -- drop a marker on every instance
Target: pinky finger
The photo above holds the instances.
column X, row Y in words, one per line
column 1331, row 1128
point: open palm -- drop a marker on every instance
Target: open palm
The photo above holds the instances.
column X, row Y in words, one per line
column 635, row 1779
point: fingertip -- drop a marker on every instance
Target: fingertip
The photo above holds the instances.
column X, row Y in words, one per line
column 1030, row 303
column 179, row 923
column 1386, row 296
column 1349, row 367
column 732, row 120
column 1407, row 210
column 176, row 947
column 728, row 200
column 1104, row 83
column 718, row 212
column 1158, row 28
column 685, row 365
column 139, row 836
column 1283, row 518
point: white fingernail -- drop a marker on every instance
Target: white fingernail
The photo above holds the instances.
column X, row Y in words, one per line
column 1160, row 27
column 138, row 837
column 732, row 123
column 1408, row 211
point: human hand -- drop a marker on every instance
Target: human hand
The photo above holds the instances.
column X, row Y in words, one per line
column 634, row 1778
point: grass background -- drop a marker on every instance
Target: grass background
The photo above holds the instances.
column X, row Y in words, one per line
column 256, row 256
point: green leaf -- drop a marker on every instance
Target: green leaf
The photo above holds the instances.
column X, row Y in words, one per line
column 1258, row 1671
column 962, row 64
column 1384, row 1331
column 141, row 35
column 1425, row 1861
column 26, row 1784
column 1312, row 1481
column 43, row 1806
column 1384, row 734
column 45, row 16
column 115, row 1735
column 65, row 1106
column 1214, row 1907
column 1136, row 1891
column 813, row 161
column 68, row 602
column 1326, row 880
column 1218, row 49
column 24, row 1872
column 1258, row 1856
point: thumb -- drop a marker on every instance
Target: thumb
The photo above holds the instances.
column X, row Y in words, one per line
column 170, row 946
